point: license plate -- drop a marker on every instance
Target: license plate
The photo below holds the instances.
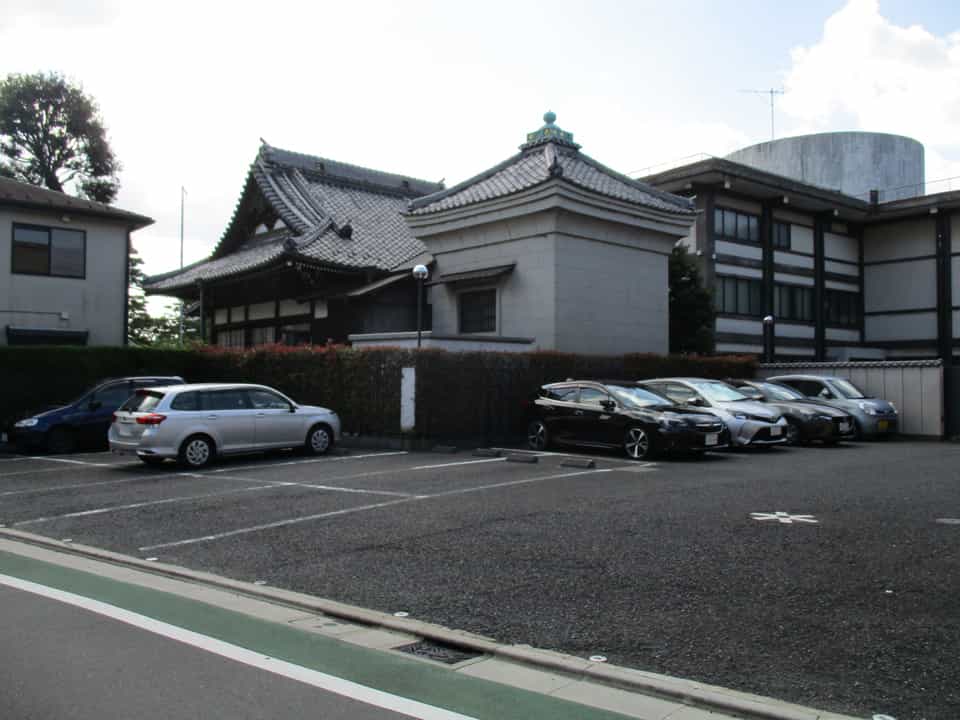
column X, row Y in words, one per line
column 776, row 431
column 883, row 425
column 711, row 439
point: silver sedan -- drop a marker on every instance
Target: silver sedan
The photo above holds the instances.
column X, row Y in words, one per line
column 197, row 423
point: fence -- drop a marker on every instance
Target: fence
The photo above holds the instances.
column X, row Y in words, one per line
column 914, row 386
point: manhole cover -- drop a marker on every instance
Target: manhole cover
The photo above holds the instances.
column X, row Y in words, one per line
column 949, row 521
column 439, row 652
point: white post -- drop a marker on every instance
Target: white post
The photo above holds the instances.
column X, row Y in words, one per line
column 408, row 398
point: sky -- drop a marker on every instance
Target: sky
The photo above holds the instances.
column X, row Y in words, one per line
column 445, row 89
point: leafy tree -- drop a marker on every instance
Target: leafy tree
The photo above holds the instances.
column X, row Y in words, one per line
column 691, row 306
column 145, row 329
column 51, row 134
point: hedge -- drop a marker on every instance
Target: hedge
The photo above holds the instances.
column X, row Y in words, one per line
column 476, row 395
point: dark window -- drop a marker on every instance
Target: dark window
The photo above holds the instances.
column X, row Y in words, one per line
column 592, row 396
column 810, row 388
column 733, row 225
column 564, row 394
column 112, row 396
column 142, row 401
column 226, row 400
column 791, row 302
column 265, row 400
column 49, row 251
column 679, row 393
column 478, row 311
column 843, row 308
column 188, row 401
column 738, row 296
column 781, row 235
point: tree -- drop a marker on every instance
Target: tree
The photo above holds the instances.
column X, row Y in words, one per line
column 51, row 134
column 145, row 329
column 691, row 306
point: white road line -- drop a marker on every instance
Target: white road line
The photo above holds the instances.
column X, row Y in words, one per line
column 324, row 459
column 64, row 460
column 455, row 464
column 134, row 506
column 44, row 470
column 144, row 476
column 312, row 486
column 361, row 508
column 323, row 681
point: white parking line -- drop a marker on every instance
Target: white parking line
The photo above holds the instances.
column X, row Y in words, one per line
column 307, row 676
column 455, row 464
column 324, row 459
column 312, row 486
column 361, row 508
column 143, row 476
column 46, row 470
column 64, row 460
column 134, row 506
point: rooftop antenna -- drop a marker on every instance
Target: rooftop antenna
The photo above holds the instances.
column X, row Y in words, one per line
column 771, row 92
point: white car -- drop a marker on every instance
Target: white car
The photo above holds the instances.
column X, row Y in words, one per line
column 197, row 423
column 750, row 423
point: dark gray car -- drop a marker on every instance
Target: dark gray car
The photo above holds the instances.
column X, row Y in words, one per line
column 873, row 417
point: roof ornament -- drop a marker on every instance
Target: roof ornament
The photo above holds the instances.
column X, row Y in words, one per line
column 549, row 133
column 345, row 231
column 289, row 245
column 554, row 168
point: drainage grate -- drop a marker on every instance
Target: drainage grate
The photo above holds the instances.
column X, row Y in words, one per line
column 439, row 652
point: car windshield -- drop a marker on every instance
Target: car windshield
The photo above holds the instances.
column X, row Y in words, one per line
column 635, row 397
column 846, row 389
column 718, row 391
column 772, row 391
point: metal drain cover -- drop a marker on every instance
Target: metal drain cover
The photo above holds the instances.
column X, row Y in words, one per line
column 439, row 652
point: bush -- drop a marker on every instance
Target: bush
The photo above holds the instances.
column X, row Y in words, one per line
column 482, row 396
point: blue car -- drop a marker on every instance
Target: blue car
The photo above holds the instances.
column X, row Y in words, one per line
column 85, row 421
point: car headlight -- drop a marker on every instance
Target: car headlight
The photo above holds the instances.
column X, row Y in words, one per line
column 29, row 422
column 868, row 409
column 672, row 423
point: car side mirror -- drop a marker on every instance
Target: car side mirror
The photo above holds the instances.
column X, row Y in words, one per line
column 608, row 405
column 825, row 394
column 95, row 405
column 696, row 402
column 293, row 408
column 756, row 397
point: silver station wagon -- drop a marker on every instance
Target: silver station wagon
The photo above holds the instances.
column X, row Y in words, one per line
column 197, row 423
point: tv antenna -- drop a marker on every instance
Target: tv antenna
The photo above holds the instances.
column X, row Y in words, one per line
column 771, row 92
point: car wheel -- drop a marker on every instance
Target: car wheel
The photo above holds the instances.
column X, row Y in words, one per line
column 151, row 461
column 637, row 443
column 196, row 451
column 793, row 433
column 537, row 436
column 319, row 440
column 61, row 440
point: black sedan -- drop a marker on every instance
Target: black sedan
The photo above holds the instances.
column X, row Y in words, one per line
column 807, row 420
column 619, row 414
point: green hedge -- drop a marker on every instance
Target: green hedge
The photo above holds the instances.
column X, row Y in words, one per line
column 477, row 395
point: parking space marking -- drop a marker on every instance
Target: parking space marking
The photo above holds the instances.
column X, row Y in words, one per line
column 45, row 470
column 323, row 459
column 455, row 464
column 64, row 460
column 314, row 486
column 150, row 503
column 77, row 486
column 361, row 508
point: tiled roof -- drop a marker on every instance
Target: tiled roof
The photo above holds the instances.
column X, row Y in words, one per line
column 549, row 153
column 13, row 192
column 334, row 214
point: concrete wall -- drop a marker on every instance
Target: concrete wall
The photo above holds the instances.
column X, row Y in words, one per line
column 851, row 162
column 94, row 303
column 916, row 388
column 408, row 340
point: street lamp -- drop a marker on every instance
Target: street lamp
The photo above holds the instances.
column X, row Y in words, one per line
column 768, row 330
column 420, row 273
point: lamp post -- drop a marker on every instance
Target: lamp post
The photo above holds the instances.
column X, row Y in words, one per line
column 768, row 330
column 420, row 273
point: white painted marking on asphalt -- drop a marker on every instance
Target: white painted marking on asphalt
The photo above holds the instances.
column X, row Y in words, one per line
column 455, row 464
column 324, row 459
column 784, row 518
column 144, row 476
column 361, row 508
column 64, row 460
column 134, row 506
column 312, row 486
column 323, row 681
column 47, row 470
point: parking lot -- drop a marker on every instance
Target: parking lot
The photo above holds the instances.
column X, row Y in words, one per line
column 823, row 576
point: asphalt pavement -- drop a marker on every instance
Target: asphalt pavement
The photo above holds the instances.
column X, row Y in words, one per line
column 821, row 576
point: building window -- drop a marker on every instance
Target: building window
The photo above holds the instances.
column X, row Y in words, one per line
column 56, row 252
column 739, row 296
column 781, row 235
column 478, row 311
column 262, row 335
column 297, row 334
column 737, row 226
column 843, row 308
column 230, row 338
column 791, row 302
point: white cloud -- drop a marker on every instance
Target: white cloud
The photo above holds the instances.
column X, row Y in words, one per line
column 867, row 73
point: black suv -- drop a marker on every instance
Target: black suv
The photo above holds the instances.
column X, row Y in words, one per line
column 619, row 413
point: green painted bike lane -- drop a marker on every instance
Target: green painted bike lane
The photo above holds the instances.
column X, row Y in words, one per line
column 412, row 679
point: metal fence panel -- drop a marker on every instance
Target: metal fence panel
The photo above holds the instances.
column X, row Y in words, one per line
column 914, row 386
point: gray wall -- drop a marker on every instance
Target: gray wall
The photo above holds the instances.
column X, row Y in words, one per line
column 95, row 304
column 916, row 388
column 851, row 162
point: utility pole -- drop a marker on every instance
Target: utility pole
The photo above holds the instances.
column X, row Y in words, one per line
column 771, row 92
column 183, row 194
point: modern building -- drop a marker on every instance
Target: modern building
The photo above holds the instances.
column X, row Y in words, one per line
column 546, row 250
column 846, row 276
column 63, row 268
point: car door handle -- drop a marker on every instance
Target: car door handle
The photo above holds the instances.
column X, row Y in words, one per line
column 261, row 414
column 211, row 417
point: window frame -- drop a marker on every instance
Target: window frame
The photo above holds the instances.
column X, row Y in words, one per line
column 753, row 295
column 48, row 229
column 793, row 290
column 752, row 223
column 777, row 225
column 848, row 317
column 496, row 310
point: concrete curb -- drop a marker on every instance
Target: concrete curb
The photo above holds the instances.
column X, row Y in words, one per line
column 688, row 692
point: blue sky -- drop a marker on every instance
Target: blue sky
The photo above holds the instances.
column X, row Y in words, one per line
column 445, row 89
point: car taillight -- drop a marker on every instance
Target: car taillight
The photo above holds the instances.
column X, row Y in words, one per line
column 113, row 418
column 151, row 419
